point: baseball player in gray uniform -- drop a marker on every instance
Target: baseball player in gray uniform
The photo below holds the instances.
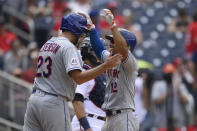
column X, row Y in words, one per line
column 119, row 94
column 59, row 71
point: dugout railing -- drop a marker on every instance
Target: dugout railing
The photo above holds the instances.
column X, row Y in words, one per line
column 14, row 94
column 11, row 12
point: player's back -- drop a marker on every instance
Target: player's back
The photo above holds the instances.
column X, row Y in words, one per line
column 56, row 58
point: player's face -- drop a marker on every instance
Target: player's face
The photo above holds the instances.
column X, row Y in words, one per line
column 74, row 41
column 112, row 46
column 108, row 45
column 81, row 38
column 78, row 40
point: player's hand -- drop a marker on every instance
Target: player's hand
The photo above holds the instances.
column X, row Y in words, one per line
column 113, row 61
column 108, row 16
column 90, row 24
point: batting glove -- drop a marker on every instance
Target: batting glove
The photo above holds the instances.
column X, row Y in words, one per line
column 90, row 25
column 109, row 17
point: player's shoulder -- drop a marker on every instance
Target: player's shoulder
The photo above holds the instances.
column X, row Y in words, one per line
column 130, row 58
column 64, row 42
column 130, row 63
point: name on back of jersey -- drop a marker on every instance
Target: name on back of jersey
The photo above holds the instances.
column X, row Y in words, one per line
column 50, row 47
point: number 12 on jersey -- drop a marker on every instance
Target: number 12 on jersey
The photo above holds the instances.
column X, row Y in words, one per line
column 114, row 87
column 44, row 62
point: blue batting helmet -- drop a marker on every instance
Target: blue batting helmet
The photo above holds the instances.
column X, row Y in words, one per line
column 75, row 23
column 128, row 36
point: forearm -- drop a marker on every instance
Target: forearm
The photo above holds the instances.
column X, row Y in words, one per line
column 120, row 43
column 97, row 44
column 81, row 115
column 79, row 109
column 83, row 76
column 91, row 73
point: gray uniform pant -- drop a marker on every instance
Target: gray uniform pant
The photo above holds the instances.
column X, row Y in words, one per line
column 46, row 113
column 125, row 121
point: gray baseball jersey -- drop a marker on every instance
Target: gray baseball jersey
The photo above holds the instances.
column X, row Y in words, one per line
column 57, row 57
column 120, row 90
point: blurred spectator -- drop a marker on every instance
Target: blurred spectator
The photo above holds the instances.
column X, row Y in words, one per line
column 148, row 78
column 6, row 39
column 193, row 69
column 58, row 8
column 84, row 6
column 57, row 24
column 15, row 61
column 170, row 99
column 31, row 9
column 18, row 5
column 180, row 23
column 29, row 74
column 2, row 2
column 191, row 37
column 43, row 22
column 128, row 19
column 113, row 6
column 139, row 101
column 183, row 74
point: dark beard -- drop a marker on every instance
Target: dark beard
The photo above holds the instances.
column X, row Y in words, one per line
column 75, row 41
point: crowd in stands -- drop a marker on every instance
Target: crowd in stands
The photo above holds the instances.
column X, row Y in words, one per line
column 166, row 96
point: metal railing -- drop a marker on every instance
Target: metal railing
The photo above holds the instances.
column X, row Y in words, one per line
column 19, row 16
column 14, row 94
column 9, row 125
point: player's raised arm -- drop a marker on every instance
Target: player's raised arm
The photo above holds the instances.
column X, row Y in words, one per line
column 96, row 42
column 120, row 44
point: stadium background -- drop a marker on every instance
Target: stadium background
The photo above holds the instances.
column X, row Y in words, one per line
column 162, row 27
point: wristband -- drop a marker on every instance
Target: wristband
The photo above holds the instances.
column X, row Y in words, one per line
column 84, row 123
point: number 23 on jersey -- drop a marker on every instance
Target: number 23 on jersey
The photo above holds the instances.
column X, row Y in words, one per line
column 47, row 69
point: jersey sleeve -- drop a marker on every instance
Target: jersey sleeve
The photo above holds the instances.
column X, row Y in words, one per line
column 130, row 63
column 96, row 42
column 71, row 59
column 85, row 88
